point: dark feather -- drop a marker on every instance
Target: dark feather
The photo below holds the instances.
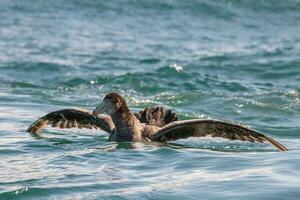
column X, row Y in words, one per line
column 156, row 116
column 69, row 118
column 214, row 128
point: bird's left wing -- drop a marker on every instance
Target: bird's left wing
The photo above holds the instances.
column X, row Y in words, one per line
column 201, row 128
column 69, row 118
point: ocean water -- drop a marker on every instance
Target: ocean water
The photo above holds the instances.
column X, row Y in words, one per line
column 235, row 60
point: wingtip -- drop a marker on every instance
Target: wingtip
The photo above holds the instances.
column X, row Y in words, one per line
column 32, row 129
column 37, row 126
column 276, row 144
column 28, row 130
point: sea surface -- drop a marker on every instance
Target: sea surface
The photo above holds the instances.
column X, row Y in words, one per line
column 234, row 60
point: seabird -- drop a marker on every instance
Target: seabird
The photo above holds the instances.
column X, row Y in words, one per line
column 151, row 124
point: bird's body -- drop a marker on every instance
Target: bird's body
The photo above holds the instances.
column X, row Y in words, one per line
column 127, row 128
column 151, row 124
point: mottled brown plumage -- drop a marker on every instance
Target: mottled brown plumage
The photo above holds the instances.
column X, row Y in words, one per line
column 72, row 118
column 213, row 128
column 150, row 124
column 156, row 116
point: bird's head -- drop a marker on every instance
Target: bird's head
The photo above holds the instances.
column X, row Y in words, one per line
column 111, row 104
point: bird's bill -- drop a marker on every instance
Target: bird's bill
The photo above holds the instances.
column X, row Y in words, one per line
column 99, row 109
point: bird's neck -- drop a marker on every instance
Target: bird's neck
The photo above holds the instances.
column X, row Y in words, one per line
column 127, row 127
column 121, row 118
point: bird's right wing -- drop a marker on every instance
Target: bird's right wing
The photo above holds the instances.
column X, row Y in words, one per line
column 214, row 128
column 69, row 118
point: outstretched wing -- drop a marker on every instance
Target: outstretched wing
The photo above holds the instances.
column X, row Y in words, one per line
column 214, row 128
column 69, row 118
column 156, row 116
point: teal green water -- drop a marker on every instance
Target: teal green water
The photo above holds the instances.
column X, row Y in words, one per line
column 232, row 60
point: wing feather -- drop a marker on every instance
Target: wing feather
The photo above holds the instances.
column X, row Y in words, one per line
column 201, row 128
column 157, row 116
column 72, row 118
